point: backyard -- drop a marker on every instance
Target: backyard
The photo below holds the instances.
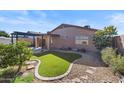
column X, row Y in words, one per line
column 87, row 69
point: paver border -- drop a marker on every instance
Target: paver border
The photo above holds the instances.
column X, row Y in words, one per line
column 51, row 78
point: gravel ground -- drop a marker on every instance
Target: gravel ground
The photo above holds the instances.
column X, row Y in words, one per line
column 88, row 69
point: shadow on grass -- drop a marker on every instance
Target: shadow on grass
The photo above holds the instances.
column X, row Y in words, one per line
column 89, row 58
column 66, row 56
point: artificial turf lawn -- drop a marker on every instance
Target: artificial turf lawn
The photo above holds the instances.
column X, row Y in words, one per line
column 55, row 63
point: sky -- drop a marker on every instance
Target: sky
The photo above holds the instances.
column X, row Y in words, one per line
column 46, row 20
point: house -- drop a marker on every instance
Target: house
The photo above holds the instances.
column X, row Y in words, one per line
column 65, row 36
column 68, row 36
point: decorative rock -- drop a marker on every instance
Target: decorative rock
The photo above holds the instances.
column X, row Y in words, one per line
column 92, row 68
column 89, row 71
column 105, row 81
column 84, row 77
column 121, row 80
column 67, row 80
column 76, row 80
column 30, row 67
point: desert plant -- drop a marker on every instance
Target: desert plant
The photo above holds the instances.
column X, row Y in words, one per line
column 117, row 64
column 103, row 38
column 112, row 59
column 107, row 54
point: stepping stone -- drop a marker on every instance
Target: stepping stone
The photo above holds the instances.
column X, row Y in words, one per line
column 84, row 77
column 30, row 62
column 92, row 68
column 89, row 71
column 76, row 80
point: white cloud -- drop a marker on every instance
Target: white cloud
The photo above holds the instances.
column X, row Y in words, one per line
column 20, row 12
column 81, row 22
column 25, row 22
column 2, row 18
column 117, row 18
column 22, row 17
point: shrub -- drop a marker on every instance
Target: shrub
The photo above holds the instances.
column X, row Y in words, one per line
column 24, row 79
column 7, row 74
column 112, row 59
column 107, row 54
column 117, row 64
column 14, row 54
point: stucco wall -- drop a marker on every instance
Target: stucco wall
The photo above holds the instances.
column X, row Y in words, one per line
column 67, row 38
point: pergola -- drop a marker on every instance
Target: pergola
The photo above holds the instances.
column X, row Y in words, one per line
column 17, row 34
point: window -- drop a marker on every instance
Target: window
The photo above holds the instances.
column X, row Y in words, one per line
column 81, row 40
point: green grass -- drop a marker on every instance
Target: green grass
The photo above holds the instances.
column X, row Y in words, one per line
column 55, row 63
column 26, row 79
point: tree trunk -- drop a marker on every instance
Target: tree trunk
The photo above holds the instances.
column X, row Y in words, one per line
column 19, row 68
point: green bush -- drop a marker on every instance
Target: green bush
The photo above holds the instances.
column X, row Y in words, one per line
column 27, row 79
column 107, row 54
column 117, row 64
column 14, row 54
column 115, row 61
column 7, row 74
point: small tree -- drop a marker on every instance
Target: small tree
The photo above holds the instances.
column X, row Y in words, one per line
column 16, row 54
column 3, row 33
column 23, row 53
column 103, row 38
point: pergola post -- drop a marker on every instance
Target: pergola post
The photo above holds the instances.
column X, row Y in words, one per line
column 34, row 41
column 16, row 37
column 17, row 34
column 12, row 38
column 42, row 41
column 48, row 46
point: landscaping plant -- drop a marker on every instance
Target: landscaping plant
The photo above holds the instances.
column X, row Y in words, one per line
column 114, row 60
column 14, row 55
column 107, row 54
column 103, row 38
column 117, row 64
column 3, row 33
